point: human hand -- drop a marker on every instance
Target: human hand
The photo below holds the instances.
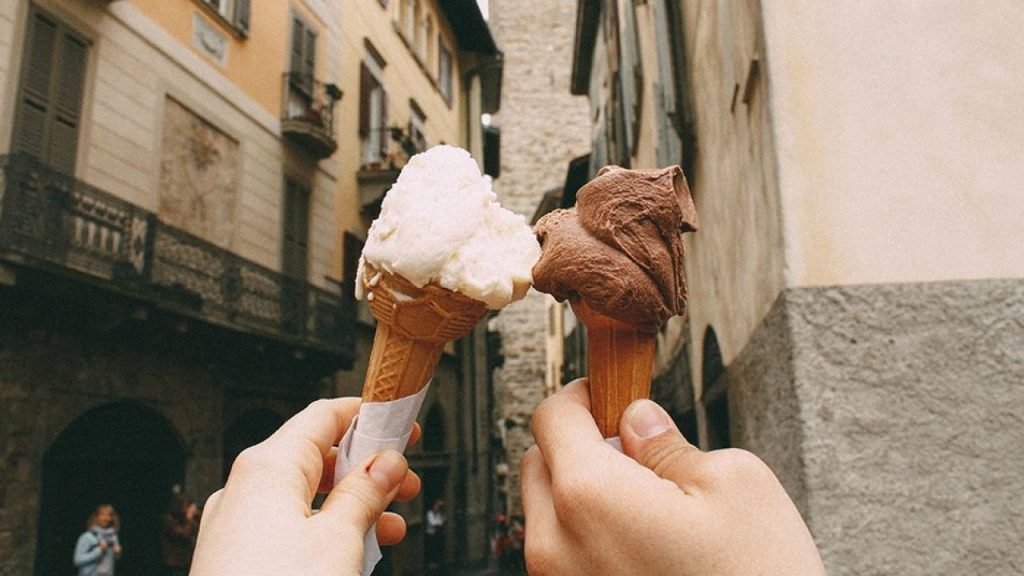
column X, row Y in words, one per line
column 661, row 507
column 261, row 522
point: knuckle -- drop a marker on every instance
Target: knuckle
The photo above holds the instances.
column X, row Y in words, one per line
column 363, row 498
column 665, row 455
column 734, row 464
column 573, row 496
column 252, row 458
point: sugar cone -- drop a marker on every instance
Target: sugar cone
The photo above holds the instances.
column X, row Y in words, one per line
column 620, row 360
column 413, row 326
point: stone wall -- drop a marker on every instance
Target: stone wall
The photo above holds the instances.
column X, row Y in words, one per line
column 892, row 415
column 60, row 365
column 542, row 127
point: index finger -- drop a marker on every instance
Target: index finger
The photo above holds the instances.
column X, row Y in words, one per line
column 305, row 440
column 565, row 430
column 323, row 423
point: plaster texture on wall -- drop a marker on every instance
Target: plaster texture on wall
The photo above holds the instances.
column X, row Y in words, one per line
column 899, row 131
column 896, row 425
column 735, row 261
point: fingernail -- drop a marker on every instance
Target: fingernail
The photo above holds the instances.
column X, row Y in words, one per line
column 646, row 419
column 387, row 470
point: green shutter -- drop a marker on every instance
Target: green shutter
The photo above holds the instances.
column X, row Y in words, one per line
column 67, row 103
column 34, row 99
column 309, row 57
column 48, row 113
column 242, row 16
column 385, row 134
column 298, row 34
column 296, row 229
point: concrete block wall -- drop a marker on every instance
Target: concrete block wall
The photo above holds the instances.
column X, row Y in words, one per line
column 891, row 413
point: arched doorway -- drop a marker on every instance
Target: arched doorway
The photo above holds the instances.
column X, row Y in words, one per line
column 435, row 486
column 714, row 395
column 121, row 453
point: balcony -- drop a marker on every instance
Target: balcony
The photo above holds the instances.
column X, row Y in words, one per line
column 376, row 177
column 307, row 117
column 54, row 225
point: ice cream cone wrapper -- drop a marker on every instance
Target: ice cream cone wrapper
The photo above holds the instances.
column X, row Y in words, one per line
column 413, row 326
column 620, row 361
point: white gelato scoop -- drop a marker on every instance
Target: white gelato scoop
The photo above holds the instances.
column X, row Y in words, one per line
column 441, row 223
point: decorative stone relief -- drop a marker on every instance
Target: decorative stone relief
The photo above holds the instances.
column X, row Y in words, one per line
column 210, row 41
column 199, row 176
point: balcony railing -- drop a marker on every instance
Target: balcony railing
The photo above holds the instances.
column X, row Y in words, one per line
column 51, row 221
column 307, row 117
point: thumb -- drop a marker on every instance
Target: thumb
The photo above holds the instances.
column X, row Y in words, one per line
column 650, row 437
column 357, row 502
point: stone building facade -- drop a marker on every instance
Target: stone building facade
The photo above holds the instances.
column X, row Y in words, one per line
column 183, row 190
column 167, row 241
column 851, row 319
column 542, row 128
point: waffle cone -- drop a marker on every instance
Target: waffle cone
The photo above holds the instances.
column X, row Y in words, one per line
column 413, row 326
column 620, row 361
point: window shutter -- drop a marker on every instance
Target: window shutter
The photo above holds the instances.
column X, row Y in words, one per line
column 34, row 103
column 63, row 137
column 298, row 35
column 385, row 136
column 296, row 229
column 50, row 98
column 309, row 61
column 242, row 16
column 365, row 88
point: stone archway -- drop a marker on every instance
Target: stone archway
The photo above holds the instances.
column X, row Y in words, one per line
column 714, row 395
column 121, row 453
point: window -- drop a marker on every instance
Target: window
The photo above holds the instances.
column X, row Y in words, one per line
column 417, row 30
column 294, row 254
column 48, row 111
column 303, row 57
column 295, row 232
column 373, row 112
column 444, row 71
column 416, row 121
column 423, row 43
column 234, row 12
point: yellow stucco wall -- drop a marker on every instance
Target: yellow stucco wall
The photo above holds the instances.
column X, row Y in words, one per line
column 249, row 58
column 403, row 78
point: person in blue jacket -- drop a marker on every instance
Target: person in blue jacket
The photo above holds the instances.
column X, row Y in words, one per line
column 98, row 548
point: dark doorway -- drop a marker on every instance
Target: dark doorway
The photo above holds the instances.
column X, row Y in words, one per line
column 715, row 395
column 253, row 427
column 124, row 454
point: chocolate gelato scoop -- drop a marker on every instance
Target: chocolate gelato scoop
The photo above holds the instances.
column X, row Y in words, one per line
column 620, row 249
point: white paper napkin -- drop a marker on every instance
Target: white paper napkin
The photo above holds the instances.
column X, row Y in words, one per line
column 379, row 426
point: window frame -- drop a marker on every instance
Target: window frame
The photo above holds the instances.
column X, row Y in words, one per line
column 445, row 71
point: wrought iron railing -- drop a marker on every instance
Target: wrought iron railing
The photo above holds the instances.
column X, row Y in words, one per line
column 308, row 112
column 48, row 219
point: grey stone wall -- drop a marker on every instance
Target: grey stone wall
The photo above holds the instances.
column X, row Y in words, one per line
column 542, row 127
column 892, row 413
column 56, row 367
